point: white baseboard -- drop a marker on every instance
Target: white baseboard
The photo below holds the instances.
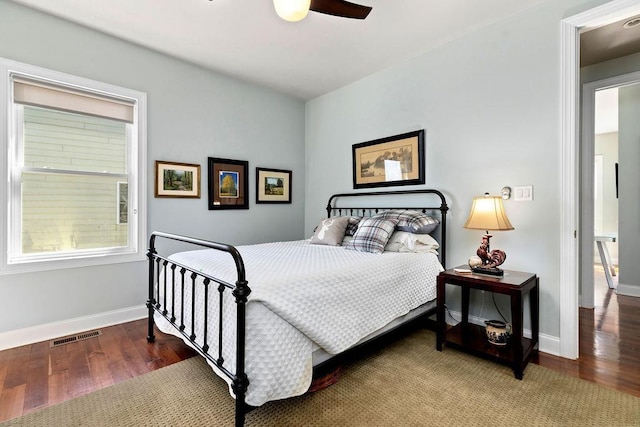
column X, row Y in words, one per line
column 546, row 343
column 63, row 328
column 628, row 290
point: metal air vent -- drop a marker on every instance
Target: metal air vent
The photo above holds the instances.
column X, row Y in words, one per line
column 73, row 338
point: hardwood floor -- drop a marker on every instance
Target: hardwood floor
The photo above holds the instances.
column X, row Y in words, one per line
column 36, row 376
column 609, row 352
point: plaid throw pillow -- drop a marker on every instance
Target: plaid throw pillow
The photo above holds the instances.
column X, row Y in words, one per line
column 411, row 221
column 372, row 235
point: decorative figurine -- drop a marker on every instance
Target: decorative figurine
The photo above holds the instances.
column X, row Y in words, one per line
column 491, row 259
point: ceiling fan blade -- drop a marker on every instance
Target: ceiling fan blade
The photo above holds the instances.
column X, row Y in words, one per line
column 340, row 8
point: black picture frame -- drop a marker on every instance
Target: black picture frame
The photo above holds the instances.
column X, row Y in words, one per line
column 273, row 185
column 391, row 161
column 228, row 184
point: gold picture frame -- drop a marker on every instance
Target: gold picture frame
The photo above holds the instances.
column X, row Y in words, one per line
column 177, row 180
column 391, row 161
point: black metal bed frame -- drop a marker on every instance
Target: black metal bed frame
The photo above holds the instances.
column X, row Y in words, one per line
column 240, row 289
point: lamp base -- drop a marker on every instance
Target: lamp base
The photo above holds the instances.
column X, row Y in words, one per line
column 491, row 271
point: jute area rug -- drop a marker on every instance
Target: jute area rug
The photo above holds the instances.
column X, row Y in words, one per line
column 407, row 383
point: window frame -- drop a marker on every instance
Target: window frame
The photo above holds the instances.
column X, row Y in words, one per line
column 137, row 218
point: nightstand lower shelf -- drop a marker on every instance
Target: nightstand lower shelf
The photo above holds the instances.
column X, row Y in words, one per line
column 472, row 339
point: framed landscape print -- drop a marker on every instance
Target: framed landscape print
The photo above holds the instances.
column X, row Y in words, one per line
column 395, row 160
column 177, row 179
column 228, row 184
column 273, row 186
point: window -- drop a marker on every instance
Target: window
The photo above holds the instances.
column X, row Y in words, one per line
column 75, row 157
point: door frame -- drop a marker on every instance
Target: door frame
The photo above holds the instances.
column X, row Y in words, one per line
column 570, row 151
column 587, row 153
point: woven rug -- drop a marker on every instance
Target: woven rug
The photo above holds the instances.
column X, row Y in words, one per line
column 407, row 383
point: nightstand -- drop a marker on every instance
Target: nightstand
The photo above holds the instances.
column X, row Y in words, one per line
column 472, row 338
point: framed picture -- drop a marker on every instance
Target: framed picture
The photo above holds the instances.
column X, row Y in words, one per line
column 395, row 160
column 228, row 184
column 177, row 179
column 273, row 186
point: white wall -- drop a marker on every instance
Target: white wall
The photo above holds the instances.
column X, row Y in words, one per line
column 490, row 105
column 192, row 114
column 606, row 145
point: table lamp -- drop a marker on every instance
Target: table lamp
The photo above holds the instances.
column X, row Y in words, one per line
column 487, row 213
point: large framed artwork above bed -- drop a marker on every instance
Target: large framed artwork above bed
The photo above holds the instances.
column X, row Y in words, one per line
column 265, row 316
column 391, row 161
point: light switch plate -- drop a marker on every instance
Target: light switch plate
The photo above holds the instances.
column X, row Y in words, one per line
column 523, row 193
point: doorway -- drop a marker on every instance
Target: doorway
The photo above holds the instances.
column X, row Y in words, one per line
column 570, row 151
column 600, row 178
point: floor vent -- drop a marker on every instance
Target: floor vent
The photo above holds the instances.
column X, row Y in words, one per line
column 74, row 338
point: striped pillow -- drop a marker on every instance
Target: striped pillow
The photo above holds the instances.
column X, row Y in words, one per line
column 372, row 235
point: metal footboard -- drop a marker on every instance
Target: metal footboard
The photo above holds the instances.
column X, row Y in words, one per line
column 164, row 272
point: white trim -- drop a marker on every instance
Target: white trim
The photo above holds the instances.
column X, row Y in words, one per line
column 569, row 68
column 628, row 290
column 569, row 202
column 587, row 190
column 63, row 328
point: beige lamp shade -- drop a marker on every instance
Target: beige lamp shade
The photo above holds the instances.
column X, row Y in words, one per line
column 292, row 10
column 487, row 213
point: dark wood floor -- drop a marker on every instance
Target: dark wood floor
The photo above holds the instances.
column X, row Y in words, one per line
column 36, row 376
column 609, row 352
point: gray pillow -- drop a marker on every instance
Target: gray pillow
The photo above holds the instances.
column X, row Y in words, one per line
column 330, row 231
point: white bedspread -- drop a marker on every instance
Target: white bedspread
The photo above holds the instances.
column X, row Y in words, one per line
column 303, row 293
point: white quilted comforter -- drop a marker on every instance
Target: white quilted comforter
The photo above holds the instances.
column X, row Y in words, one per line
column 301, row 294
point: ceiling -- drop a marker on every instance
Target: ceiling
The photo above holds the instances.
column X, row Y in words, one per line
column 610, row 41
column 246, row 39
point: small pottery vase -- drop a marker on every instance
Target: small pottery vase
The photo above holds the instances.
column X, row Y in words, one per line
column 474, row 261
column 498, row 332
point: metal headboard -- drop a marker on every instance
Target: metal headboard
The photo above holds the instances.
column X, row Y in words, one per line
column 334, row 210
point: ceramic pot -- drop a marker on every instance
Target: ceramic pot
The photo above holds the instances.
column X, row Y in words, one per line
column 474, row 261
column 498, row 332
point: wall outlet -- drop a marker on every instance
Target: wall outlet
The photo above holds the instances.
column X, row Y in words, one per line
column 523, row 193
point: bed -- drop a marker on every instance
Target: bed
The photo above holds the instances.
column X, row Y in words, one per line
column 265, row 316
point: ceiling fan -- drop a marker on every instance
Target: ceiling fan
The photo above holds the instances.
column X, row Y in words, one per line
column 296, row 10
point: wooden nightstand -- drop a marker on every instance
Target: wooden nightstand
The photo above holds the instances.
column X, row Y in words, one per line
column 472, row 338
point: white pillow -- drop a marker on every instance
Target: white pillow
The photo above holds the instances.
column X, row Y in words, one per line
column 402, row 241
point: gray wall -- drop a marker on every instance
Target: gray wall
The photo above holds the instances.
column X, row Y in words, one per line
column 629, row 187
column 627, row 285
column 192, row 114
column 490, row 105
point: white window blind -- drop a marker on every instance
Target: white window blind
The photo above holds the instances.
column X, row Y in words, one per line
column 42, row 94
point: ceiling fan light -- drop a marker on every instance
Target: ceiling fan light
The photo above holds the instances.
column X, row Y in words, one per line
column 292, row 10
